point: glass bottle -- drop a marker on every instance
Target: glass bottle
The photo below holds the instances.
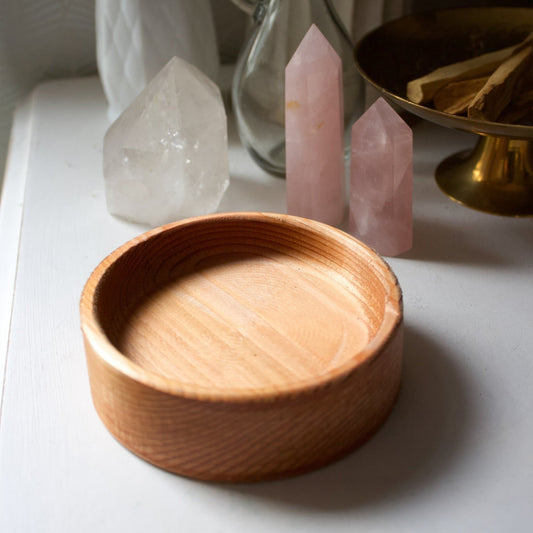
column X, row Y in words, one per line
column 259, row 80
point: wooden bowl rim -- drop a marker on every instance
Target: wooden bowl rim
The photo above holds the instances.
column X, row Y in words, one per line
column 105, row 350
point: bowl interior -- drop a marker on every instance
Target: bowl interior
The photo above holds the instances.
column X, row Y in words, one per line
column 412, row 46
column 241, row 303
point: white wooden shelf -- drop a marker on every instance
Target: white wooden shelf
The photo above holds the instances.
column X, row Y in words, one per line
column 455, row 455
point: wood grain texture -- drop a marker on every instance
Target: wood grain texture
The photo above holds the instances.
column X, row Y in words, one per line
column 422, row 90
column 499, row 89
column 455, row 97
column 242, row 346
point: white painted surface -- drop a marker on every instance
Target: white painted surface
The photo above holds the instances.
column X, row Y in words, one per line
column 11, row 212
column 455, row 455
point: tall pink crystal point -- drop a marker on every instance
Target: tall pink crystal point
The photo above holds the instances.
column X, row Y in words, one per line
column 314, row 131
column 381, row 212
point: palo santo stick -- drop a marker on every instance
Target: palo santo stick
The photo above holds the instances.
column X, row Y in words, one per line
column 455, row 97
column 524, row 98
column 519, row 108
column 496, row 94
column 421, row 90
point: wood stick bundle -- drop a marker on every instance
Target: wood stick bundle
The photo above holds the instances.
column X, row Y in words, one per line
column 493, row 86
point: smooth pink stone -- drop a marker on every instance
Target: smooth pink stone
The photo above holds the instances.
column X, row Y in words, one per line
column 381, row 193
column 314, row 131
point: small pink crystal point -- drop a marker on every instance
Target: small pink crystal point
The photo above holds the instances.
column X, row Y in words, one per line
column 314, row 131
column 381, row 212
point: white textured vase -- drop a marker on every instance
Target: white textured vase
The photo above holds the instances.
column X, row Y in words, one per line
column 136, row 38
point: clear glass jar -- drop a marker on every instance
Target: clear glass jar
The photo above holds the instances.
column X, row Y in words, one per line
column 258, row 91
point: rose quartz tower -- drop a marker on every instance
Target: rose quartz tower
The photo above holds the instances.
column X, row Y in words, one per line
column 314, row 131
column 381, row 212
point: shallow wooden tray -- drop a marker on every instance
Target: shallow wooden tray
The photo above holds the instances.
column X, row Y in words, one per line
column 242, row 346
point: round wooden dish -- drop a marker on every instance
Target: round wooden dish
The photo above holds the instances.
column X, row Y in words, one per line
column 243, row 346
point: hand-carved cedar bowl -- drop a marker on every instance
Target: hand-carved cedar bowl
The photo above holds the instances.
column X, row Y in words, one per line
column 243, row 346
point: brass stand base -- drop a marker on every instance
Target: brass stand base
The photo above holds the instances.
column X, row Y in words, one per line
column 495, row 177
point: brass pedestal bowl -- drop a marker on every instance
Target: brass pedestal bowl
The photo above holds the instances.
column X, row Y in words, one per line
column 497, row 175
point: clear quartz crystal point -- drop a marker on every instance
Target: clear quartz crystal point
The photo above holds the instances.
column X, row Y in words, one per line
column 381, row 212
column 166, row 156
column 314, row 131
